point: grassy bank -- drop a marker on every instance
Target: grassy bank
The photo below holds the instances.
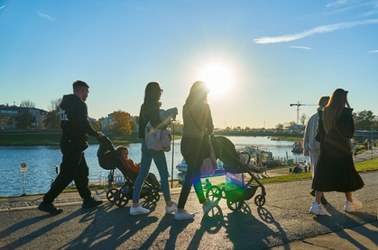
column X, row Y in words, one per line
column 364, row 166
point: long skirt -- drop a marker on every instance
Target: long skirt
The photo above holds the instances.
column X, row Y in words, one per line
column 336, row 174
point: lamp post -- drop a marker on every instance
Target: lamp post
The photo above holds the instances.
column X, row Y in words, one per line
column 173, row 150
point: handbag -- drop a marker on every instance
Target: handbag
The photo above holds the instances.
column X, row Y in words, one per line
column 209, row 164
column 158, row 139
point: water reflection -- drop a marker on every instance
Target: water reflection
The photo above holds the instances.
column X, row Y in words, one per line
column 42, row 161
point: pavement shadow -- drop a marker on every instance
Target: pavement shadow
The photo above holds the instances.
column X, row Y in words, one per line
column 163, row 225
column 211, row 223
column 339, row 221
column 176, row 228
column 30, row 236
column 109, row 228
column 242, row 228
column 22, row 224
column 247, row 232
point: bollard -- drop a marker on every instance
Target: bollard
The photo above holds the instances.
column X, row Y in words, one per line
column 23, row 169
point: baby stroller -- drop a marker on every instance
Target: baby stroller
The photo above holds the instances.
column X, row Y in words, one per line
column 235, row 190
column 109, row 159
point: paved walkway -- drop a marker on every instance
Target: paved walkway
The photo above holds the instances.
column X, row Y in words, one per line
column 282, row 223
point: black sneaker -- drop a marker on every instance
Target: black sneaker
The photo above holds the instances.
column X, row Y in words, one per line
column 49, row 208
column 91, row 203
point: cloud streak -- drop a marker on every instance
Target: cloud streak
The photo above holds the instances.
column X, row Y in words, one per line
column 300, row 47
column 2, row 7
column 314, row 31
column 45, row 16
column 374, row 51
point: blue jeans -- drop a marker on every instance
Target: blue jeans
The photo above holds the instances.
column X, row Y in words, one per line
column 161, row 164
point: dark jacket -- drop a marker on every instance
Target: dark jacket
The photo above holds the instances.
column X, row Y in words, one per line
column 74, row 120
column 337, row 141
column 149, row 112
column 198, row 122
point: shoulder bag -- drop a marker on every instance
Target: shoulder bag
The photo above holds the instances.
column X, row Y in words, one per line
column 209, row 164
column 158, row 139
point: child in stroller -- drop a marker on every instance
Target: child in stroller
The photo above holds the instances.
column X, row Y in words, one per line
column 111, row 158
column 235, row 190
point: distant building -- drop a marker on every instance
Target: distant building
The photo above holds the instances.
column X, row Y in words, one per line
column 8, row 115
column 105, row 122
column 296, row 128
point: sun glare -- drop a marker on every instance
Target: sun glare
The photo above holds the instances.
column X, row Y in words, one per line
column 218, row 78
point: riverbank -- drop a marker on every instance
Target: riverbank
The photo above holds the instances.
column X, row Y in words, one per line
column 52, row 137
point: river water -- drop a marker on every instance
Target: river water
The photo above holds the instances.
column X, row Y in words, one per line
column 41, row 163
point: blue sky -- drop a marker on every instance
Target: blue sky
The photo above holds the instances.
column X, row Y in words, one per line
column 262, row 55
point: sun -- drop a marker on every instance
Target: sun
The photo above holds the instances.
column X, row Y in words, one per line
column 218, row 78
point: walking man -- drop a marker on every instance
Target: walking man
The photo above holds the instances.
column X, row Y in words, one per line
column 75, row 130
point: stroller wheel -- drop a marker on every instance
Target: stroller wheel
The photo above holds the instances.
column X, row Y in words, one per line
column 112, row 194
column 260, row 200
column 153, row 196
column 234, row 205
column 121, row 199
column 214, row 193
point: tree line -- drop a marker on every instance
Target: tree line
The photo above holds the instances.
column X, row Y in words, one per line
column 124, row 124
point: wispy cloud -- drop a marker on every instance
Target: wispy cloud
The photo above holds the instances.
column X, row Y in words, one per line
column 45, row 16
column 336, row 3
column 374, row 51
column 313, row 31
column 365, row 7
column 2, row 7
column 300, row 47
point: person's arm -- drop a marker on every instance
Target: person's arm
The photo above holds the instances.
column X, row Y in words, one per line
column 346, row 123
column 209, row 124
column 306, row 140
column 84, row 122
column 153, row 115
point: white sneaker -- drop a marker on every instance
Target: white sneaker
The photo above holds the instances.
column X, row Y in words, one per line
column 139, row 210
column 318, row 209
column 184, row 215
column 172, row 208
column 352, row 206
column 208, row 205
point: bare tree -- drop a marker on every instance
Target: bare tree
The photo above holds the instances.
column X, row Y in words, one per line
column 52, row 118
column 27, row 104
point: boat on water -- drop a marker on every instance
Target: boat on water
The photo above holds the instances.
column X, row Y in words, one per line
column 260, row 157
column 182, row 167
column 297, row 147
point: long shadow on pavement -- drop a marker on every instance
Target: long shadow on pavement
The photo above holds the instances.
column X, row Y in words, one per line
column 243, row 230
column 25, row 224
column 109, row 228
column 340, row 220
